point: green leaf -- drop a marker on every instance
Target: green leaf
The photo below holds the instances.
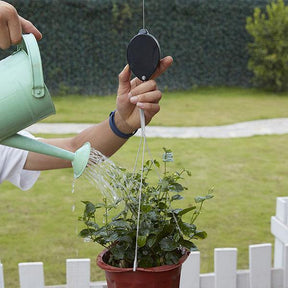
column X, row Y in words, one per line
column 175, row 211
column 188, row 245
column 164, row 231
column 92, row 224
column 86, row 233
column 200, row 234
column 125, row 239
column 172, row 257
column 200, row 199
column 176, row 187
column 89, row 208
column 176, row 197
column 167, row 244
column 186, row 210
column 164, row 185
column 162, row 205
column 151, row 240
column 120, row 223
column 146, row 261
column 145, row 208
column 186, row 228
column 145, row 227
column 112, row 237
column 117, row 253
column 156, row 163
column 141, row 241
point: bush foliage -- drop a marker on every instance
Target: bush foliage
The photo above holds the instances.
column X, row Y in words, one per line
column 84, row 41
column 269, row 50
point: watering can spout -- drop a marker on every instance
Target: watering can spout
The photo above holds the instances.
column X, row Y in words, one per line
column 79, row 159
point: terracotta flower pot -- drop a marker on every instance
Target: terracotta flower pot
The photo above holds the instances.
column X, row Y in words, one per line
column 167, row 276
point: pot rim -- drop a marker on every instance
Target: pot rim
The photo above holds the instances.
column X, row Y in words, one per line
column 162, row 268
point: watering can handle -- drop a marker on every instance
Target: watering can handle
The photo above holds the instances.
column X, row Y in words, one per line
column 29, row 44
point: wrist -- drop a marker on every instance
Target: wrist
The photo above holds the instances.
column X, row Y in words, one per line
column 119, row 126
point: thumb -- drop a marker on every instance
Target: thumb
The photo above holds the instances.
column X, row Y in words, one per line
column 124, row 81
column 28, row 27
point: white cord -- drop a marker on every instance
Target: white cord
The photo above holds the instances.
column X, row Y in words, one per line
column 143, row 136
column 143, row 10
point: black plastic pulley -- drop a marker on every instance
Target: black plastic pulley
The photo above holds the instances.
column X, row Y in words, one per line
column 143, row 54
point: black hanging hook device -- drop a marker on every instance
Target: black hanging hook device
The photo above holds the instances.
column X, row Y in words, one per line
column 143, row 53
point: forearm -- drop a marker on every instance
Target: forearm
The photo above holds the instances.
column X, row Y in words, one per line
column 100, row 137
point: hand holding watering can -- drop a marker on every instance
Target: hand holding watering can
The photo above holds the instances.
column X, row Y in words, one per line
column 12, row 26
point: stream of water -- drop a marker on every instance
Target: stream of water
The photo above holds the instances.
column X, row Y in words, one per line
column 104, row 174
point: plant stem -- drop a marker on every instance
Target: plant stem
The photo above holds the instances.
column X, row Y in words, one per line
column 106, row 212
column 196, row 213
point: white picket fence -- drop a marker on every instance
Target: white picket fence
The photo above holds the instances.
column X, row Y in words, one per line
column 260, row 274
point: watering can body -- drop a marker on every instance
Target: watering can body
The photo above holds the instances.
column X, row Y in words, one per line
column 25, row 100
column 24, row 97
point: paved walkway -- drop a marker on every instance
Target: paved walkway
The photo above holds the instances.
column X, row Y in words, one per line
column 243, row 129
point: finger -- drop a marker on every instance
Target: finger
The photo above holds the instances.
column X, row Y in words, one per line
column 150, row 97
column 8, row 17
column 5, row 41
column 164, row 64
column 150, row 109
column 144, row 87
column 124, row 81
column 15, row 29
column 28, row 27
column 135, row 82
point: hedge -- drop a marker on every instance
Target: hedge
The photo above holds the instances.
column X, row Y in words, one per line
column 84, row 41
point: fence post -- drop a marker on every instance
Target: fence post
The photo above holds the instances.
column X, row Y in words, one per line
column 78, row 273
column 243, row 279
column 31, row 275
column 285, row 276
column 280, row 230
column 1, row 276
column 190, row 274
column 260, row 265
column 225, row 262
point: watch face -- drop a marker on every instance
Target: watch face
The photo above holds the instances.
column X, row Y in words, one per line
column 143, row 55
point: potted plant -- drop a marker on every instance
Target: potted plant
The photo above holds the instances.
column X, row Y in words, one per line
column 164, row 236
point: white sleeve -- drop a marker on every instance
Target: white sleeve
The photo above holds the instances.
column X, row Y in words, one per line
column 12, row 162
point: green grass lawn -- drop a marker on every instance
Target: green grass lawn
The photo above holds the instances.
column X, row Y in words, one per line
column 247, row 175
column 199, row 107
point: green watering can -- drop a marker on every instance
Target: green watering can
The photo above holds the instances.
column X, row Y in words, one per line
column 25, row 100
